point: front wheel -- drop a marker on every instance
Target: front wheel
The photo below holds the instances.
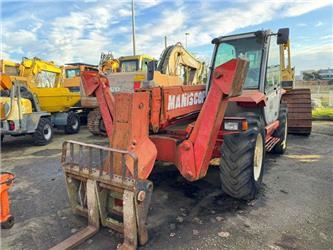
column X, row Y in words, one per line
column 243, row 160
column 44, row 132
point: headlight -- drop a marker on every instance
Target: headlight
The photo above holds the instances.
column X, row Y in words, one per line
column 233, row 126
column 6, row 108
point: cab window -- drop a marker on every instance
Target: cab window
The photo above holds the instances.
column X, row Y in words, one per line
column 70, row 73
column 46, row 79
column 246, row 48
column 129, row 66
column 273, row 65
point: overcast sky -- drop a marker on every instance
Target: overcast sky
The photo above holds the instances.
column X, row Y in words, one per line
column 78, row 31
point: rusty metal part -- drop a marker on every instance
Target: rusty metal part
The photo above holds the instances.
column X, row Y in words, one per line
column 299, row 111
column 116, row 197
column 93, row 221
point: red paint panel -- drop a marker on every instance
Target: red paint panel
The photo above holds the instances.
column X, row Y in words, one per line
column 181, row 100
column 250, row 98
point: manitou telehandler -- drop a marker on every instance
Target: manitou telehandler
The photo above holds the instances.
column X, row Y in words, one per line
column 237, row 117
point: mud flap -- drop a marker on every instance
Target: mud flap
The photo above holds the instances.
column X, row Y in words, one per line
column 120, row 202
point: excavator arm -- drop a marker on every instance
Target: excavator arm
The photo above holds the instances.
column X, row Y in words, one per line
column 287, row 72
column 175, row 56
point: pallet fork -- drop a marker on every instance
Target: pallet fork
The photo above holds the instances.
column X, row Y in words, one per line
column 93, row 193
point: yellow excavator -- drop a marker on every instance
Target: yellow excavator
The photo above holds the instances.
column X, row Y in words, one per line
column 177, row 63
column 40, row 82
column 108, row 64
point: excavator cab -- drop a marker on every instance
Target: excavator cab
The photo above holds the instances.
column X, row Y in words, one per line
column 135, row 63
column 72, row 73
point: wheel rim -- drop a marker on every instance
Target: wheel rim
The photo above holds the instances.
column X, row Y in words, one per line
column 258, row 156
column 47, row 132
column 75, row 124
column 284, row 143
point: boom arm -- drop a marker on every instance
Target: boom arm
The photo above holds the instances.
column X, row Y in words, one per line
column 194, row 154
column 94, row 83
column 287, row 72
column 32, row 67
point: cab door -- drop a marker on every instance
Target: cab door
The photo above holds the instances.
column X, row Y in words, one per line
column 273, row 88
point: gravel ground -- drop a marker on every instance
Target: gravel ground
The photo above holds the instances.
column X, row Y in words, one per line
column 294, row 209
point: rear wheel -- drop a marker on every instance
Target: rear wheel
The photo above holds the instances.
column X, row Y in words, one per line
column 282, row 131
column 73, row 123
column 242, row 161
column 44, row 132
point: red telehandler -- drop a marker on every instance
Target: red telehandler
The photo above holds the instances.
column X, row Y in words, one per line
column 236, row 117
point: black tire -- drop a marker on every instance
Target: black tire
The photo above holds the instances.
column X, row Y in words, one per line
column 44, row 132
column 237, row 172
column 9, row 223
column 282, row 130
column 73, row 123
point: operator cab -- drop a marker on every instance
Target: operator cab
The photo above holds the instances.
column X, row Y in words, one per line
column 135, row 63
column 262, row 50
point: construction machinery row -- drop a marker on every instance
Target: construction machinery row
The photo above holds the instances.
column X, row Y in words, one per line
column 34, row 101
column 239, row 115
column 37, row 95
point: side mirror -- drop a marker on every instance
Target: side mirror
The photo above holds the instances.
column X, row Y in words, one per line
column 282, row 36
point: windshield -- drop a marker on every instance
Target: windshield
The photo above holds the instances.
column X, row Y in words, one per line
column 72, row 73
column 129, row 66
column 46, row 79
column 246, row 48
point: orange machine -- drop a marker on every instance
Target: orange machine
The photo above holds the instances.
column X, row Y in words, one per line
column 237, row 117
column 6, row 181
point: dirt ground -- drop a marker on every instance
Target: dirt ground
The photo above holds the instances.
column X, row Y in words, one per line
column 293, row 211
